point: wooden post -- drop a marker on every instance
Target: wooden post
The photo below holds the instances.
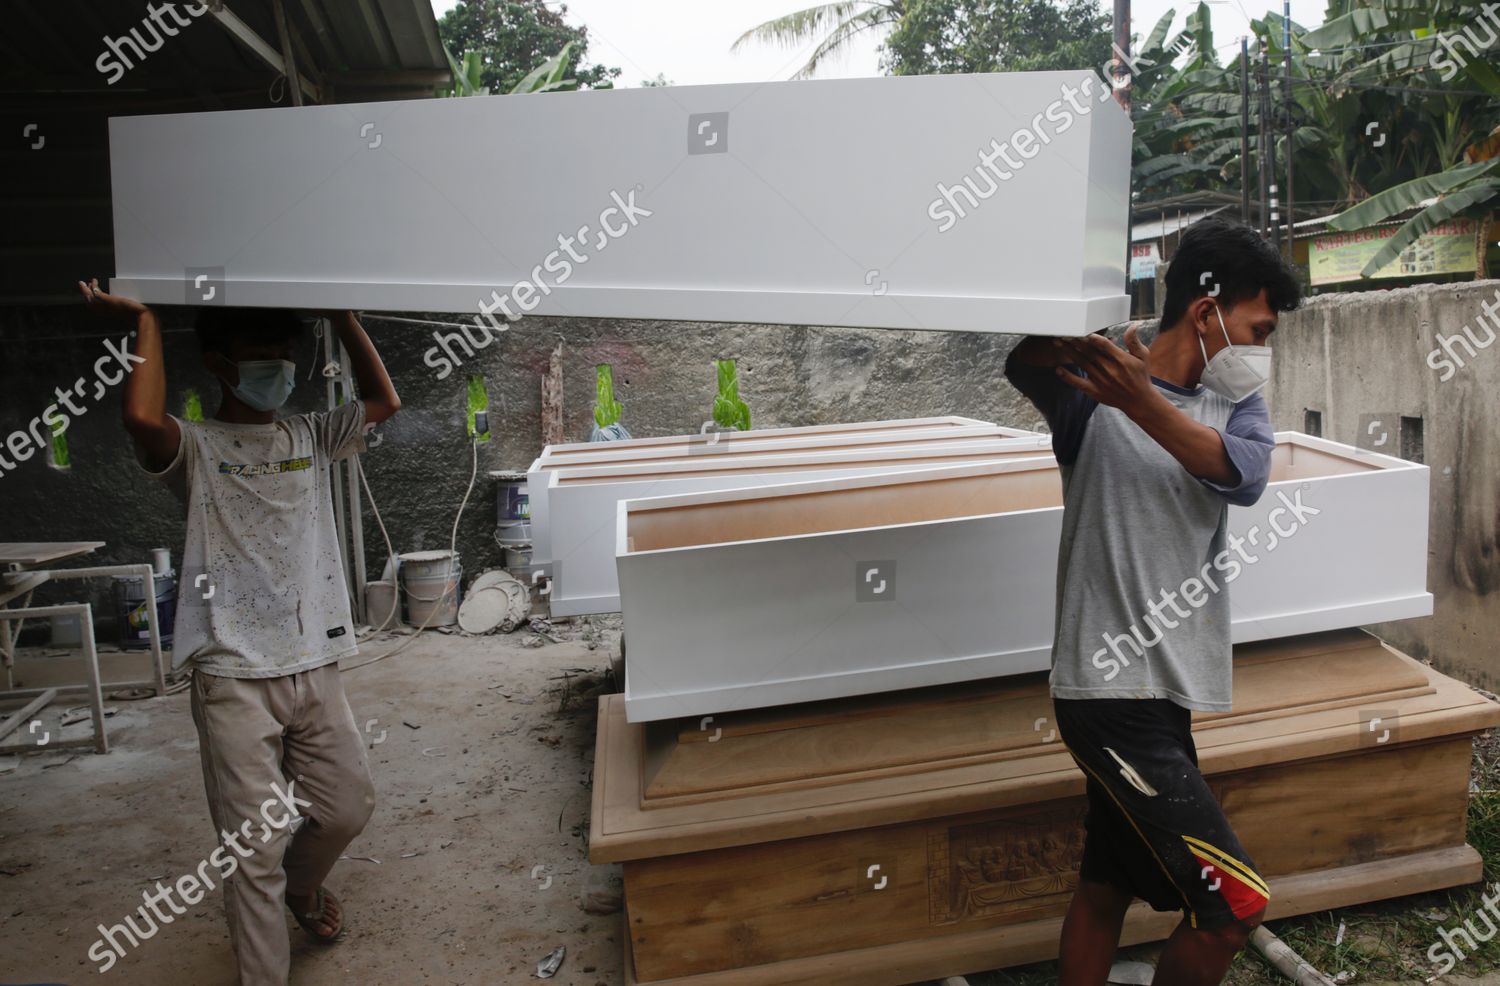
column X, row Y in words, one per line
column 552, row 400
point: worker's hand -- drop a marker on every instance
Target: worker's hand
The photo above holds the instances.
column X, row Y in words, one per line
column 108, row 304
column 1117, row 377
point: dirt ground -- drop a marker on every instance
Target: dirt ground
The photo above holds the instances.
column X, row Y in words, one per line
column 480, row 828
column 474, row 865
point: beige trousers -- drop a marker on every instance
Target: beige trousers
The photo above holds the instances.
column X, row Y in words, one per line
column 267, row 743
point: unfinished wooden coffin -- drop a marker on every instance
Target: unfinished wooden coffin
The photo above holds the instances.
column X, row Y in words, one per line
column 748, row 598
column 566, row 450
column 823, row 202
column 582, row 503
column 914, row 835
column 868, row 436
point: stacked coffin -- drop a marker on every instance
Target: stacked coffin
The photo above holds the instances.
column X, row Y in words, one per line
column 574, row 490
column 834, row 763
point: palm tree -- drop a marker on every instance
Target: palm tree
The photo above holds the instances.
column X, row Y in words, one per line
column 836, row 24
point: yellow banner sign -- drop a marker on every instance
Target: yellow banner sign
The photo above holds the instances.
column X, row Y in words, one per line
column 1447, row 248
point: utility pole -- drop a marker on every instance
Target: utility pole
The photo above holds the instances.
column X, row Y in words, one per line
column 1122, row 48
column 1261, row 170
column 1291, row 130
column 1245, row 130
column 1268, row 129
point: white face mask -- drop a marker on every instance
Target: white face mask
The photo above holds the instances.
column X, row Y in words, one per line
column 1235, row 372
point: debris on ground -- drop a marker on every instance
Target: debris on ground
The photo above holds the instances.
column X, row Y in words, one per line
column 547, row 968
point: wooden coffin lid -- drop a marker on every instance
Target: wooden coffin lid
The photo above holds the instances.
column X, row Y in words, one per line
column 743, row 778
column 898, row 425
column 924, row 456
column 941, row 493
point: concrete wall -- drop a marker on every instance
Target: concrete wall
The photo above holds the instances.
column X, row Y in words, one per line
column 1356, row 359
column 663, row 376
column 1362, row 361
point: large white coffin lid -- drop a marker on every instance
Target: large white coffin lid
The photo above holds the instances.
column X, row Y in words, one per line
column 582, row 503
column 756, row 623
column 811, row 207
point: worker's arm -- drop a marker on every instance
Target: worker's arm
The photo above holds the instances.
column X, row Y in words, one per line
column 1066, row 412
column 375, row 387
column 154, row 432
column 1121, row 378
column 1045, row 351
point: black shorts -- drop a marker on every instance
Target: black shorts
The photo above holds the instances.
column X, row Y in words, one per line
column 1153, row 827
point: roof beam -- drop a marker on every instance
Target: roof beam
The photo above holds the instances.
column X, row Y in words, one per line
column 245, row 35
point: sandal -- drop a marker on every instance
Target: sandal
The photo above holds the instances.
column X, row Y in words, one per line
column 318, row 916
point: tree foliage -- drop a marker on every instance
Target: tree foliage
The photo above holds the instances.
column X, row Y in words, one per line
column 945, row 36
column 512, row 38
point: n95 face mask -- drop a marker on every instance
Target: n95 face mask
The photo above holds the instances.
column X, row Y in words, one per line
column 1235, row 372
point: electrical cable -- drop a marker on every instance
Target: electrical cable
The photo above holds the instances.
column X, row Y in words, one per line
column 452, row 548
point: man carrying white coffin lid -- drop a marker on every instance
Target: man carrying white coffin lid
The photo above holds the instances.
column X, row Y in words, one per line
column 265, row 637
column 1153, row 444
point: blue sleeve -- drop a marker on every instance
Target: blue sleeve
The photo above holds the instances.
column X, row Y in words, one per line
column 1249, row 441
column 1065, row 409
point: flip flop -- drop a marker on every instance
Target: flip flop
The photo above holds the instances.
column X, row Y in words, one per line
column 310, row 921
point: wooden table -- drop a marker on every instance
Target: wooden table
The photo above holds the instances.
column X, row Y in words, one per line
column 25, row 565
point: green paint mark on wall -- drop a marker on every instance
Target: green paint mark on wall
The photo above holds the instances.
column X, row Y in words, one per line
column 58, row 456
column 479, row 400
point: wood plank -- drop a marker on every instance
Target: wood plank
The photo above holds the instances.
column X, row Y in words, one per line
column 971, row 951
column 29, row 554
column 26, row 712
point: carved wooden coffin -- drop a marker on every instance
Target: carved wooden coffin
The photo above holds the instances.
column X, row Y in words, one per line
column 748, row 598
column 912, row 835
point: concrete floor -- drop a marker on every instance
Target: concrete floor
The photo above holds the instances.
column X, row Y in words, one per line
column 480, row 829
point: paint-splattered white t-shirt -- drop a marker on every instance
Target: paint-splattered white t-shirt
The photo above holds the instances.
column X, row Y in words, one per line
column 262, row 592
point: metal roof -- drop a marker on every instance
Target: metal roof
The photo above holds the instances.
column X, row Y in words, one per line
column 64, row 72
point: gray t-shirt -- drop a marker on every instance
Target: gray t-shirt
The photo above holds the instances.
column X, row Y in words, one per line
column 262, row 592
column 1143, row 564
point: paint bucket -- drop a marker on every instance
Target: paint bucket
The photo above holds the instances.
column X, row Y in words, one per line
column 430, row 581
column 130, row 609
column 513, row 533
column 517, row 558
column 382, row 604
column 512, row 502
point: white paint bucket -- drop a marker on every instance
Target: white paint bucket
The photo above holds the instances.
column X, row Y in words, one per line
column 430, row 581
column 517, row 557
column 513, row 533
column 382, row 604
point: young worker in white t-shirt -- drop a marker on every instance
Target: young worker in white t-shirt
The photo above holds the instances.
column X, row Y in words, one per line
column 263, row 613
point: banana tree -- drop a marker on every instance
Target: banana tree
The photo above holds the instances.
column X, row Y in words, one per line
column 1450, row 90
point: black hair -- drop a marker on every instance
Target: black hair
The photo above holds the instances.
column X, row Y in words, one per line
column 1215, row 251
column 220, row 327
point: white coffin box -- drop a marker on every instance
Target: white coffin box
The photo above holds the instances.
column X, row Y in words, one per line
column 867, row 436
column 742, row 599
column 829, row 202
column 582, row 502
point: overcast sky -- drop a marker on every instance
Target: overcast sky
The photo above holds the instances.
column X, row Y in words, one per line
column 688, row 40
